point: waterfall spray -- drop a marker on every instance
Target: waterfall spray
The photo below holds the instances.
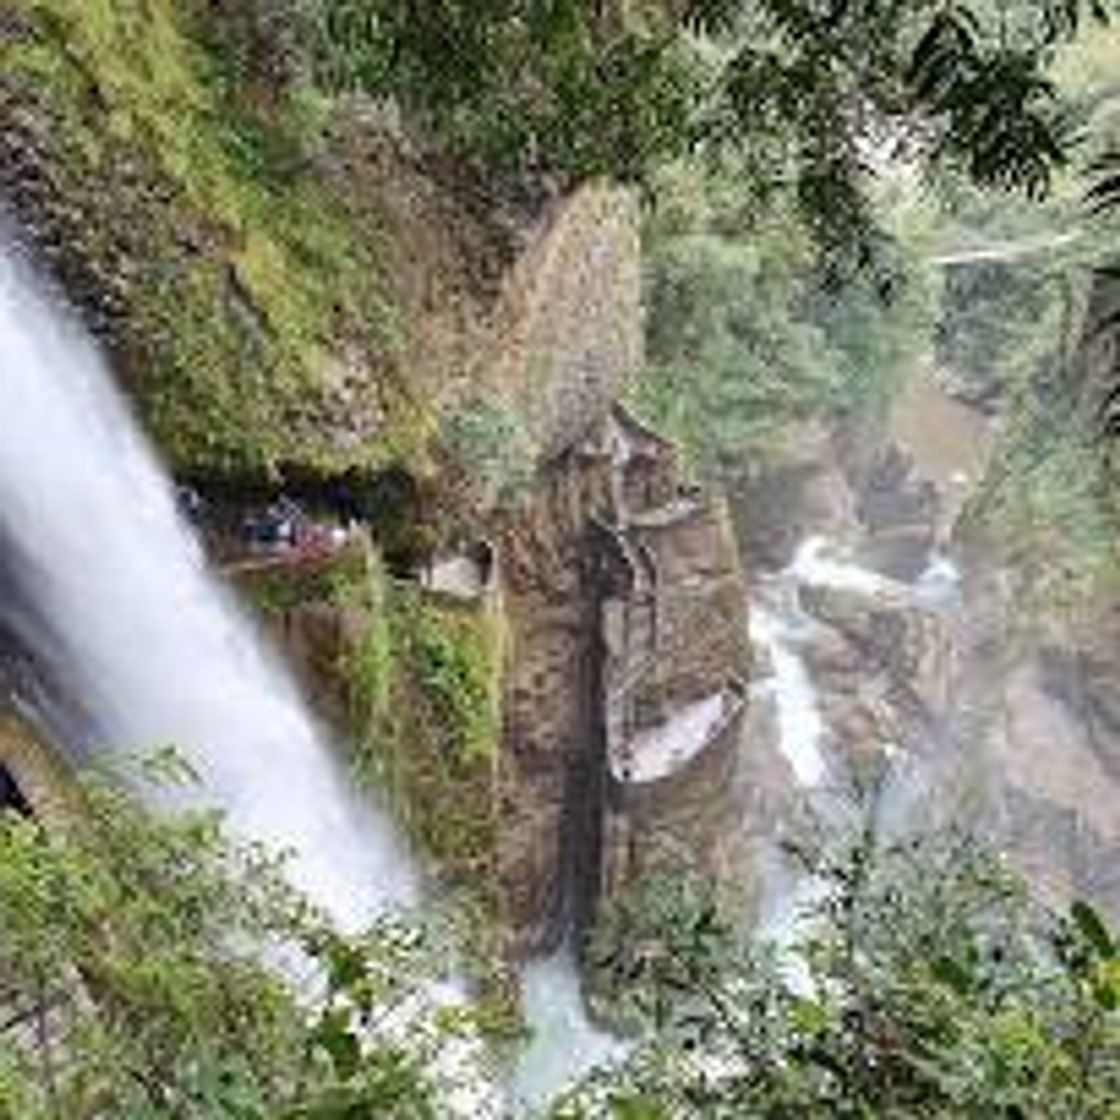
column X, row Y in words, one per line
column 113, row 599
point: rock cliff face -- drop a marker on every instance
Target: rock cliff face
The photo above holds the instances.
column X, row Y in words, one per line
column 620, row 686
column 566, row 331
column 610, row 578
column 1034, row 704
column 306, row 302
column 285, row 286
column 1001, row 708
column 1039, row 679
column 600, row 529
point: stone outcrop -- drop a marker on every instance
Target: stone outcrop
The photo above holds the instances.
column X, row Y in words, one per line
column 38, row 780
column 805, row 493
column 624, row 599
column 682, row 813
column 566, row 330
column 881, row 662
column 1035, row 710
column 899, row 510
column 550, row 764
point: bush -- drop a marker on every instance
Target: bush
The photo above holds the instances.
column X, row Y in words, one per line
column 135, row 978
column 745, row 337
column 928, row 985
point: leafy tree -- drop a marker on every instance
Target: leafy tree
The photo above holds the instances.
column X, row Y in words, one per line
column 928, row 985
column 807, row 92
column 745, row 335
column 728, row 363
column 154, row 969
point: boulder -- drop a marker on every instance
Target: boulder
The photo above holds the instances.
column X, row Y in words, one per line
column 806, row 493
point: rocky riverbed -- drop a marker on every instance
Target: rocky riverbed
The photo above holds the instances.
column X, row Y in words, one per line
column 892, row 634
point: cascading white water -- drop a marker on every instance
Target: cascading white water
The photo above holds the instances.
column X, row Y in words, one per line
column 779, row 626
column 565, row 1045
column 817, row 562
column 126, row 617
column 800, row 724
column 776, row 627
column 117, row 604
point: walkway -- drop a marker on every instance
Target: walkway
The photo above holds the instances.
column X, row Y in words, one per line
column 460, row 577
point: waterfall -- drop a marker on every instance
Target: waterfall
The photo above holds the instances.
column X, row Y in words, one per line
column 776, row 627
column 112, row 598
column 779, row 626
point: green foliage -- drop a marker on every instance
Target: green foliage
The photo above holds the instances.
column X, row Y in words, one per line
column 1002, row 323
column 1009, row 333
column 335, row 579
column 452, row 667
column 419, row 674
column 133, row 965
column 557, row 86
column 1050, row 498
column 576, row 88
column 421, row 684
column 922, row 982
column 226, row 265
column 727, row 362
column 745, row 337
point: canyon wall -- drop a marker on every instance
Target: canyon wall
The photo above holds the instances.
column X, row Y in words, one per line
column 996, row 701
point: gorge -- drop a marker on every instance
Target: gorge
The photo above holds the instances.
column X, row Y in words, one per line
column 507, row 611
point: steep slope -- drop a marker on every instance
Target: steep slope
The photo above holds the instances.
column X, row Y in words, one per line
column 278, row 280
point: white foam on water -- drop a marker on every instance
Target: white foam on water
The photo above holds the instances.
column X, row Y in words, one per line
column 939, row 585
column 818, row 563
column 786, row 919
column 800, row 723
column 565, row 1045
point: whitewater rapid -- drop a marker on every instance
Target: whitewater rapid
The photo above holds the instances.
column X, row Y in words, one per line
column 565, row 1045
column 780, row 628
column 113, row 599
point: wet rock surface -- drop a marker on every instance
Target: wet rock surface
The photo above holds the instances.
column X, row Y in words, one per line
column 807, row 493
column 1008, row 722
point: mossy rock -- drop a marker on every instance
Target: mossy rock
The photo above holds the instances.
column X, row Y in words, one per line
column 419, row 676
column 239, row 287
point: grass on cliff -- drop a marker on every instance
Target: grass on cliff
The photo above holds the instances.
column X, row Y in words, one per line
column 422, row 685
column 420, row 677
column 244, row 291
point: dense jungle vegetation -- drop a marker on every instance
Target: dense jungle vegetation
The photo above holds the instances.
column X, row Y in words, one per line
column 787, row 278
column 928, row 984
